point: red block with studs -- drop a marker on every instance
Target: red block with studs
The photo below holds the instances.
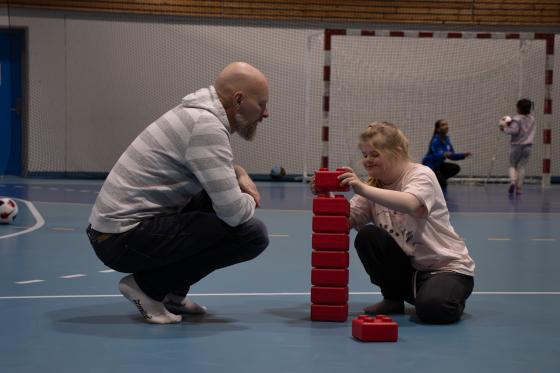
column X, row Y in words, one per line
column 327, row 181
column 379, row 328
column 329, row 312
column 330, row 224
column 329, row 295
column 329, row 277
column 330, row 259
column 330, row 241
column 327, row 205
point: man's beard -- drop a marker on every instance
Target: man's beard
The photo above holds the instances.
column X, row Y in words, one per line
column 246, row 130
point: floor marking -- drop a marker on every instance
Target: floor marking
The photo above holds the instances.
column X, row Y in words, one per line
column 63, row 229
column 69, row 190
column 36, row 187
column 278, row 235
column 28, row 282
column 19, row 186
column 74, row 276
column 53, row 188
column 266, row 294
column 84, row 191
column 38, row 218
column 107, row 271
column 499, row 239
column 543, row 239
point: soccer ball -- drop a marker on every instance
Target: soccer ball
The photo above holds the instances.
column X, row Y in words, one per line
column 277, row 172
column 8, row 210
column 505, row 120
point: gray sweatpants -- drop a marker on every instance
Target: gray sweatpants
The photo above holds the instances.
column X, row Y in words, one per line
column 518, row 159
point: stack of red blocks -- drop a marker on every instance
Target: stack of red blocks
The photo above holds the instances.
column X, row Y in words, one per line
column 330, row 242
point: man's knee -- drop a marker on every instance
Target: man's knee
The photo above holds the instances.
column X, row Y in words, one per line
column 438, row 310
column 255, row 236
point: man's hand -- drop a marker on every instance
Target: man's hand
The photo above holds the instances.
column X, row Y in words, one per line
column 246, row 184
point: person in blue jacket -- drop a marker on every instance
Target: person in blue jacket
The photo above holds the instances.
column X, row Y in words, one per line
column 441, row 149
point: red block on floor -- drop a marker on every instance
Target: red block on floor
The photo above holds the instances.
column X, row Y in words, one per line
column 329, row 295
column 330, row 241
column 380, row 328
column 330, row 224
column 326, row 205
column 329, row 277
column 330, row 259
column 323, row 312
column 327, row 181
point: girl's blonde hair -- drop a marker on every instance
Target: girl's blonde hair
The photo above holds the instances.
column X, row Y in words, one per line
column 389, row 140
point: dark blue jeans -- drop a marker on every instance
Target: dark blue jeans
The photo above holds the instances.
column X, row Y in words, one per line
column 168, row 254
column 440, row 296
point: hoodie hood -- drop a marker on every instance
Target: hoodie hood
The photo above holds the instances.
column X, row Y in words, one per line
column 207, row 99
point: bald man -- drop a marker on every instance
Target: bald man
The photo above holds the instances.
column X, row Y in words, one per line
column 174, row 207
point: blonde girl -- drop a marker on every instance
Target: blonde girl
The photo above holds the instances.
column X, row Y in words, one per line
column 405, row 240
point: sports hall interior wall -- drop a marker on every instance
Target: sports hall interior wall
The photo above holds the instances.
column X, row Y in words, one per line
column 95, row 74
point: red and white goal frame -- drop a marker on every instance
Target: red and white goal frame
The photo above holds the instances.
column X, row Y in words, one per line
column 547, row 79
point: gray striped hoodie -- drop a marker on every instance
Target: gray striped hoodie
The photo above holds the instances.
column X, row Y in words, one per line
column 183, row 152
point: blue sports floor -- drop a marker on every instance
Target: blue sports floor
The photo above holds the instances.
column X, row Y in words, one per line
column 62, row 312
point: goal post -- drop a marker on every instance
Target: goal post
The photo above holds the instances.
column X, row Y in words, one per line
column 413, row 78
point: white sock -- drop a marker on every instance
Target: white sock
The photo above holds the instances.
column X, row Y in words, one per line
column 183, row 305
column 153, row 311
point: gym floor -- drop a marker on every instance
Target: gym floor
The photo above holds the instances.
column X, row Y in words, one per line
column 63, row 313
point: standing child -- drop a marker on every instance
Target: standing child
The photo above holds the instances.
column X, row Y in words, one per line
column 410, row 250
column 521, row 128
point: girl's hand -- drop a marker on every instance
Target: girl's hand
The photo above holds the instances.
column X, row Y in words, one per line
column 350, row 178
column 312, row 185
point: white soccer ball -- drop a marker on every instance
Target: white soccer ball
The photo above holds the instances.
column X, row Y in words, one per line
column 277, row 172
column 8, row 210
column 505, row 120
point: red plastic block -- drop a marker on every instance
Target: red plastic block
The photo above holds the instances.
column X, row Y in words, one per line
column 329, row 295
column 326, row 205
column 330, row 259
column 327, row 181
column 330, row 241
column 324, row 312
column 380, row 328
column 330, row 224
column 329, row 277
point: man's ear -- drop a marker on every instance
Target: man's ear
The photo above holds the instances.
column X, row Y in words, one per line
column 238, row 98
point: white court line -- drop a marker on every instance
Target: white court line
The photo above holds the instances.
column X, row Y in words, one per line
column 278, row 235
column 106, row 271
column 62, row 229
column 38, row 218
column 499, row 239
column 28, row 282
column 267, row 294
column 74, row 276
column 543, row 239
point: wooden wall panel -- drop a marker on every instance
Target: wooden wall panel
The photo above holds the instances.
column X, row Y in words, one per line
column 484, row 12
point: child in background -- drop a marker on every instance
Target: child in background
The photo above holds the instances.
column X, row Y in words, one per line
column 410, row 250
column 521, row 128
column 439, row 150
